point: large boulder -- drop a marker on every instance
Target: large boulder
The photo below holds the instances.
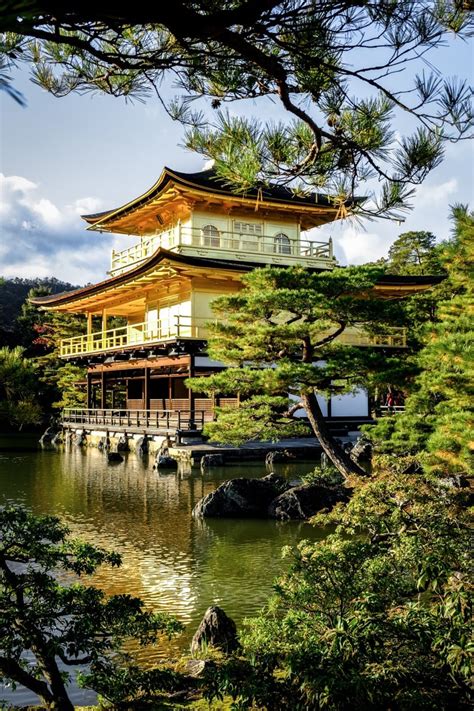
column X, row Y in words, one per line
column 302, row 502
column 241, row 498
column 215, row 630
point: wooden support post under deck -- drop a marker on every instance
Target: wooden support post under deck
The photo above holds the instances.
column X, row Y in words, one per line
column 102, row 391
column 89, row 391
column 192, row 397
column 146, row 388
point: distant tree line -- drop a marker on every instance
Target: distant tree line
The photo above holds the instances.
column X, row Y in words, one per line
column 13, row 294
column 34, row 382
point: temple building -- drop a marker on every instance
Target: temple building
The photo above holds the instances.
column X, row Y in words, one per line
column 145, row 325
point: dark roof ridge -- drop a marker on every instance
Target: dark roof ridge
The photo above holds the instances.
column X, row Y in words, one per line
column 208, row 180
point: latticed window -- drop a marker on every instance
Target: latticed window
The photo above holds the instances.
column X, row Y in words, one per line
column 247, row 228
column 282, row 244
column 211, row 236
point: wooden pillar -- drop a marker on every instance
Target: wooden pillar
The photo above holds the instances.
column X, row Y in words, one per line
column 89, row 331
column 102, row 391
column 146, row 388
column 170, row 392
column 104, row 327
column 192, row 397
column 89, row 391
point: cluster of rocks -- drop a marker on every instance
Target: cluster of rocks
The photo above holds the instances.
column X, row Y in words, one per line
column 53, row 435
column 269, row 497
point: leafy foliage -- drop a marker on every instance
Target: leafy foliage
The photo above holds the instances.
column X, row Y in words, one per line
column 60, row 626
column 375, row 616
column 438, row 418
column 341, row 106
column 281, row 335
column 16, row 316
column 19, row 395
column 415, row 253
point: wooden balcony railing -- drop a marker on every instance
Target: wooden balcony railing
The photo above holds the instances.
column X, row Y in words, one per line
column 136, row 334
column 185, row 327
column 137, row 419
column 393, row 338
column 222, row 243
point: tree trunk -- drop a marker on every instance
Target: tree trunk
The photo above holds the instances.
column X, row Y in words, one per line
column 12, row 670
column 60, row 700
column 330, row 445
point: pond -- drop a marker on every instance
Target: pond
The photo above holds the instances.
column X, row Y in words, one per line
column 173, row 562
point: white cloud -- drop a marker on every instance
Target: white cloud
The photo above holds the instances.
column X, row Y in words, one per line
column 41, row 239
column 433, row 195
column 355, row 246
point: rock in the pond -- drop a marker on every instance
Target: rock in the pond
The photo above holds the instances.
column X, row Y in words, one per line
column 104, row 444
column 302, row 502
column 162, row 461
column 50, row 433
column 114, row 457
column 278, row 455
column 241, row 498
column 211, row 460
column 215, row 630
column 57, row 439
column 80, row 439
column 195, row 667
column 142, row 446
column 122, row 444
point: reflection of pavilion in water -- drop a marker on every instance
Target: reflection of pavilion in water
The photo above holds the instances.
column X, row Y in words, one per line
column 173, row 562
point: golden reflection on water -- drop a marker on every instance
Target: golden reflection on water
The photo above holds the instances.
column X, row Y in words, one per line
column 174, row 563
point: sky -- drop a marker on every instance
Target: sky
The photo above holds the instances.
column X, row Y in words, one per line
column 61, row 158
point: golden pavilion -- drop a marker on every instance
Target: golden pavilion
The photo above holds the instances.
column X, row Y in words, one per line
column 195, row 240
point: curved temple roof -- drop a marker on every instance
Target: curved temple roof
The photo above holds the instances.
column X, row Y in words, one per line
column 393, row 285
column 207, row 182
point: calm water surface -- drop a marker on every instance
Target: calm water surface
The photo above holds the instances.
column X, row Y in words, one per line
column 173, row 562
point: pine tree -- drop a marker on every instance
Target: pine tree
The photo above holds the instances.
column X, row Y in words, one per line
column 281, row 336
column 19, row 392
column 414, row 253
column 341, row 106
column 437, row 423
column 66, row 626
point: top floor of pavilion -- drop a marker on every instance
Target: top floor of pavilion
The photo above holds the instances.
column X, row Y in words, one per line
column 195, row 240
column 198, row 215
